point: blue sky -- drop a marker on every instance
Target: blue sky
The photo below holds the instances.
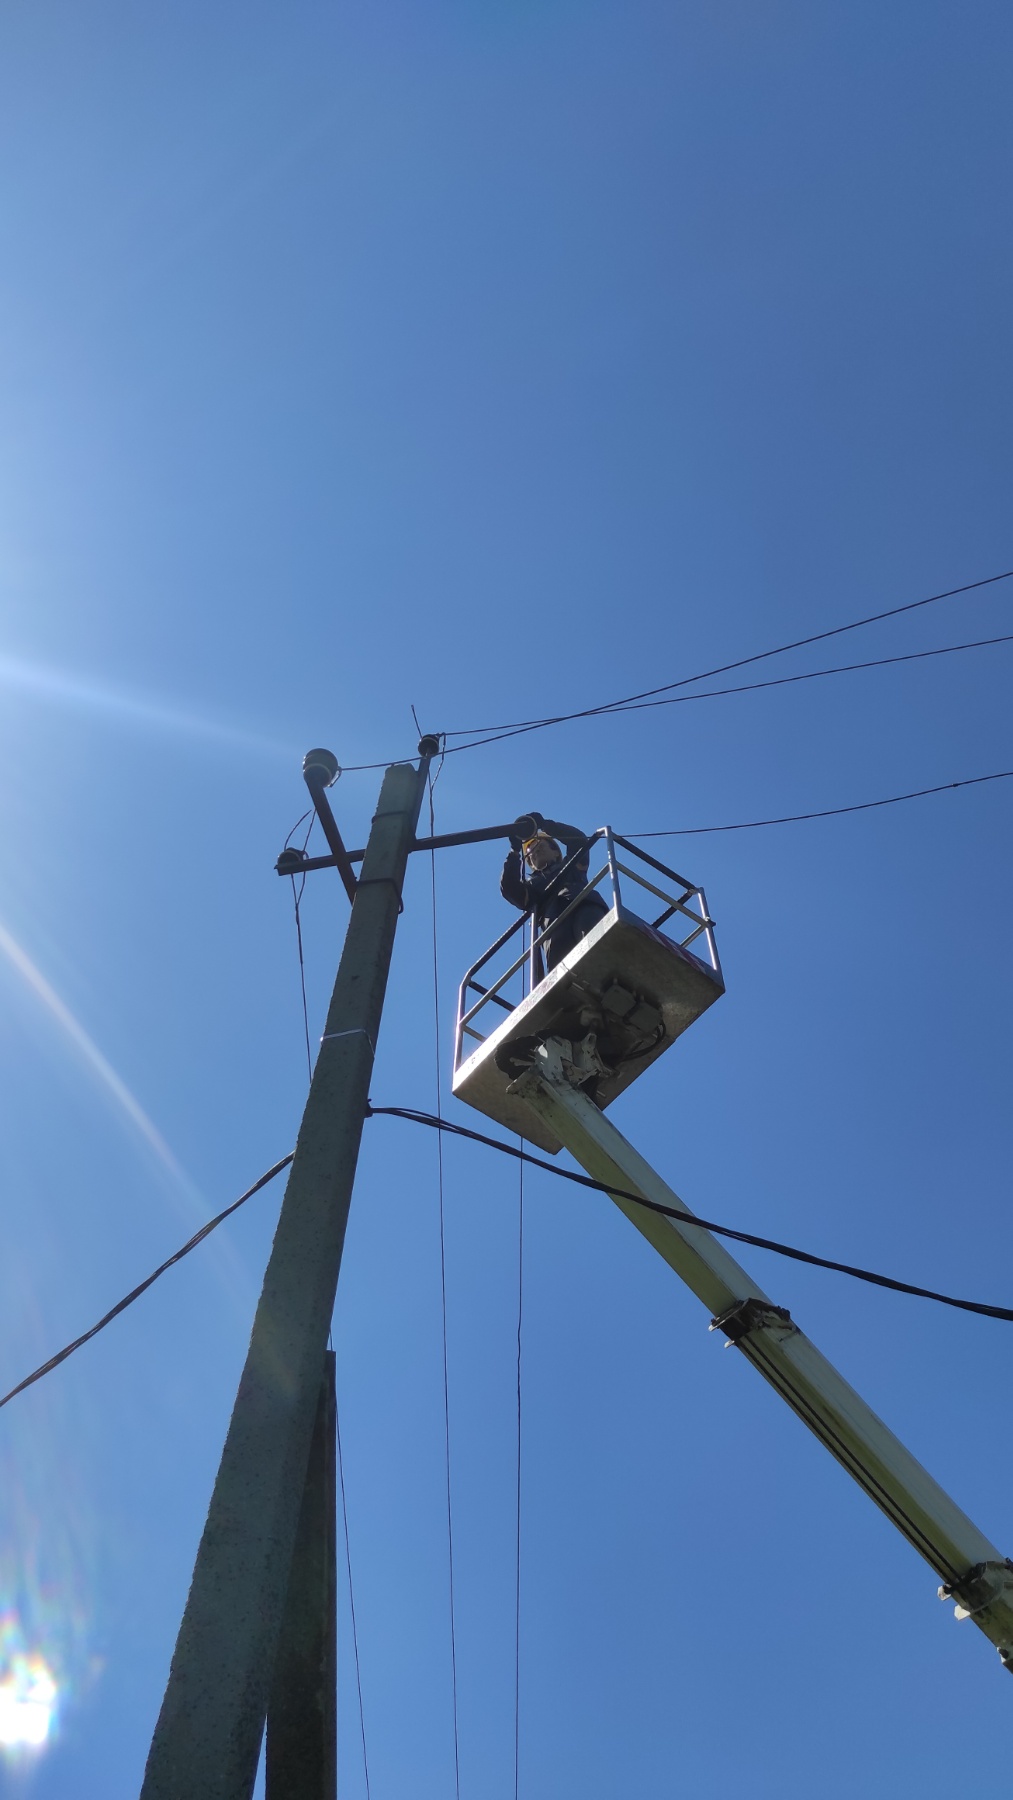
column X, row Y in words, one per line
column 501, row 359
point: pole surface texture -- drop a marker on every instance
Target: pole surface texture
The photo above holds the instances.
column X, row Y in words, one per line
column 302, row 1748
column 207, row 1739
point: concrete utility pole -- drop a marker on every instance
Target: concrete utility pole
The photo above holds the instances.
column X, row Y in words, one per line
column 301, row 1754
column 208, row 1736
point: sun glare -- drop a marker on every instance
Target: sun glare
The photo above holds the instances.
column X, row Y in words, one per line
column 28, row 1691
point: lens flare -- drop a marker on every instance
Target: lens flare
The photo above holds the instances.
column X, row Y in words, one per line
column 47, row 1579
column 28, row 1690
column 63, row 688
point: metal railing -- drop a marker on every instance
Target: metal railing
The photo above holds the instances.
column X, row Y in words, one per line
column 690, row 902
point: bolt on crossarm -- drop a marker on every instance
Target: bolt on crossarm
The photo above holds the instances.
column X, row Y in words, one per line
column 208, row 1736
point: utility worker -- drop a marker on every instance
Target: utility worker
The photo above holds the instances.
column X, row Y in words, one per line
column 534, row 879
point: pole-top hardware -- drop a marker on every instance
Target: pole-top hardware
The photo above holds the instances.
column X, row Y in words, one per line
column 320, row 771
column 429, row 744
column 291, row 861
column 322, row 762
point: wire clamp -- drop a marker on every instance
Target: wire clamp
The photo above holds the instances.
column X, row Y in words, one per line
column 750, row 1315
column 983, row 1584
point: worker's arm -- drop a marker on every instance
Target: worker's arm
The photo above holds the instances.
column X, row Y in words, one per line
column 512, row 884
column 573, row 842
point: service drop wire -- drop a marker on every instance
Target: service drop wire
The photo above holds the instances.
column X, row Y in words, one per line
column 477, row 735
column 143, row 1286
column 827, row 812
column 631, row 701
column 443, row 1285
column 415, row 1117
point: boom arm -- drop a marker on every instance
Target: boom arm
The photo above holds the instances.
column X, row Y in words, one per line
column 973, row 1573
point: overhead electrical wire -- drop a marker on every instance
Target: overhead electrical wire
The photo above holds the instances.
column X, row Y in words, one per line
column 828, row 812
column 517, row 1497
column 629, row 700
column 477, row 735
column 415, row 1117
column 753, row 687
column 443, row 1285
column 143, row 1286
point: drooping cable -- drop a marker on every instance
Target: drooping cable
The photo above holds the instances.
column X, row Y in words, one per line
column 143, row 1286
column 829, row 812
column 742, row 662
column 687, row 1218
column 445, row 1125
column 351, row 1599
column 443, row 1287
column 477, row 735
column 753, row 687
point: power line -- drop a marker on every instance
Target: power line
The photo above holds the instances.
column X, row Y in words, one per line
column 142, row 1288
column 523, row 725
column 492, row 734
column 443, row 1294
column 517, row 1530
column 416, row 1117
column 752, row 687
column 687, row 1218
column 517, row 1545
column 829, row 812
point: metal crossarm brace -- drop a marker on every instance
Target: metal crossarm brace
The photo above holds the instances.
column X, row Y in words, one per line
column 973, row 1572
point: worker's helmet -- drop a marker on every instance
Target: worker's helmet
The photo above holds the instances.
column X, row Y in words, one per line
column 541, row 837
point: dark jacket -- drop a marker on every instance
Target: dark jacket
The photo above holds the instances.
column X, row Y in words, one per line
column 545, row 893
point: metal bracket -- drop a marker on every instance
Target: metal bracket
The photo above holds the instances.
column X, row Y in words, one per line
column 574, row 1062
column 754, row 1315
column 985, row 1583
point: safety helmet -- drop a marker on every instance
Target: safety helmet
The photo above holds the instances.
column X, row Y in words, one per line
column 540, row 837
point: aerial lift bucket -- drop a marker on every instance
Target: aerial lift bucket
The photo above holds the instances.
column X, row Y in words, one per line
column 631, row 984
column 547, row 1070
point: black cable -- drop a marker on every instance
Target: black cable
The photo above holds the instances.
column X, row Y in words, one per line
column 351, row 1600
column 742, row 662
column 753, row 687
column 687, row 1218
column 829, row 812
column 618, row 708
column 135, row 1293
column 301, row 820
column 492, row 734
column 517, row 1565
column 517, row 1531
column 443, row 1287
